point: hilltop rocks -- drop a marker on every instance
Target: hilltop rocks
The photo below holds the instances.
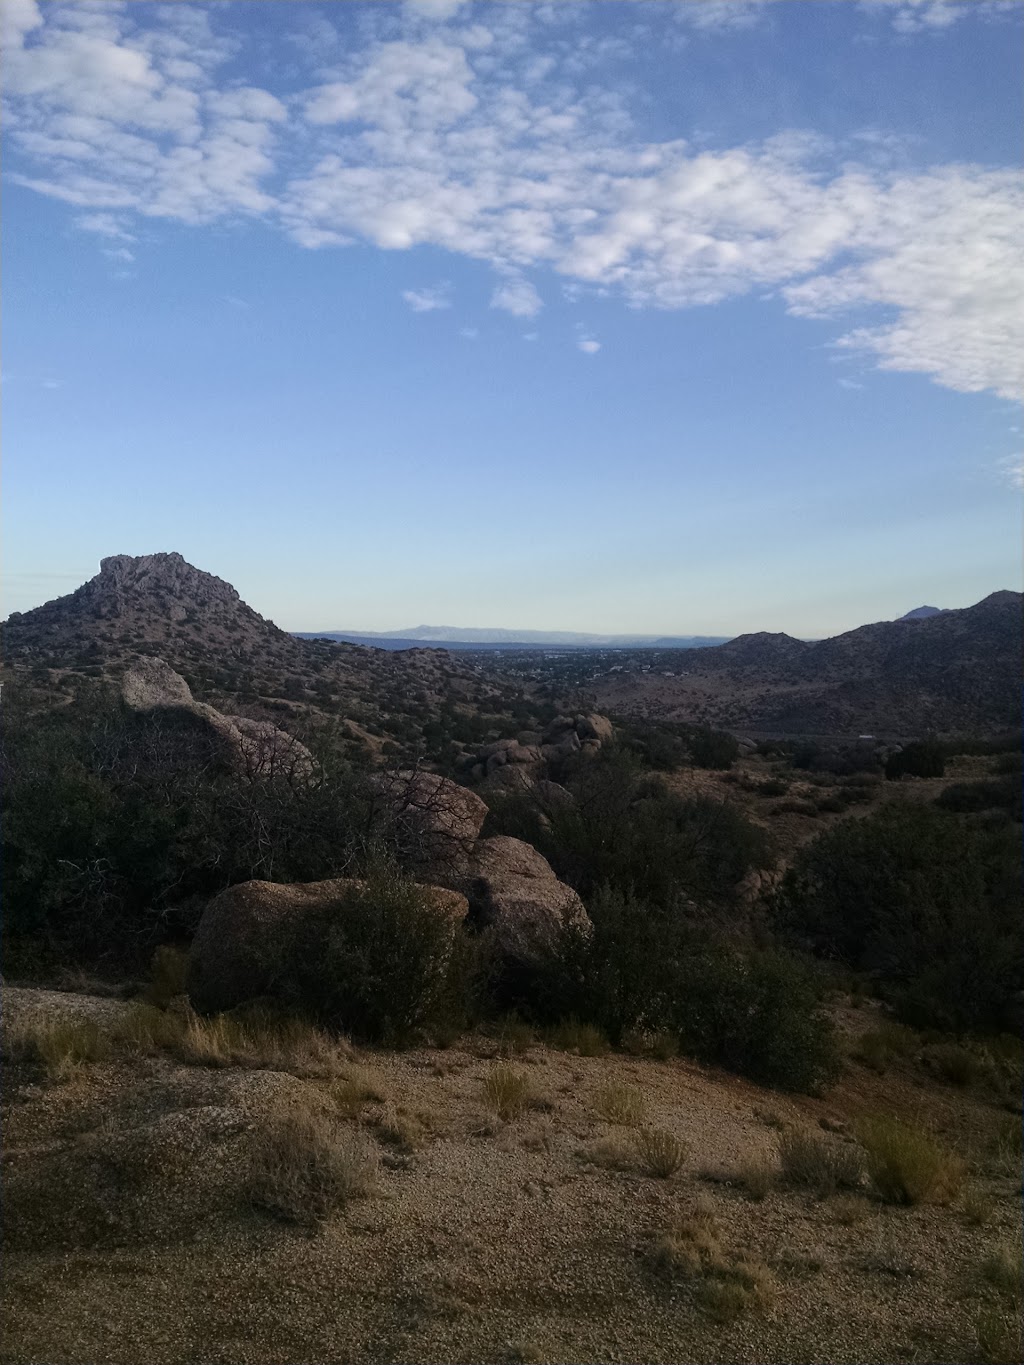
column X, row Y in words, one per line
column 248, row 933
column 252, row 748
column 532, row 749
column 513, row 891
column 439, row 820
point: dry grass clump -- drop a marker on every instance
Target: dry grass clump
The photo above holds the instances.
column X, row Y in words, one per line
column 59, row 1046
column 167, row 976
column 907, row 1165
column 609, row 1153
column 506, row 1091
column 661, row 1153
column 401, row 1128
column 977, row 1206
column 514, row 1036
column 572, row 1036
column 998, row 1325
column 758, row 1177
column 356, row 1087
column 619, row 1103
column 848, row 1209
column 724, row 1285
column 305, row 1165
column 879, row 1047
column 822, row 1164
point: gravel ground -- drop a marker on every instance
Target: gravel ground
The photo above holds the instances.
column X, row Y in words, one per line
column 131, row 1239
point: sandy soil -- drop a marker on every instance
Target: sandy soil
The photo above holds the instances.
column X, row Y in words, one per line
column 486, row 1241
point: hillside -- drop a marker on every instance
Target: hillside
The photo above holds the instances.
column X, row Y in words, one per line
column 237, row 659
column 952, row 672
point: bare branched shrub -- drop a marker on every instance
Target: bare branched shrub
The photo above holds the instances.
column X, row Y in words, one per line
column 661, row 1153
column 822, row 1164
column 305, row 1165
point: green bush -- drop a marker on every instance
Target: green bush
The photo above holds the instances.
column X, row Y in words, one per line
column 392, row 966
column 645, row 969
column 925, row 902
column 628, row 831
column 923, row 758
column 713, row 749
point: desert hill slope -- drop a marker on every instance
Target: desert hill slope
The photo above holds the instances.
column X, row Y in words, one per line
column 954, row 671
column 159, row 604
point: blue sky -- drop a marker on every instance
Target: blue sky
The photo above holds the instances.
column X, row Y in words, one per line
column 671, row 316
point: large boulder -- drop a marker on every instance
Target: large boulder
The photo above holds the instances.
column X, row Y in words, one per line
column 250, row 931
column 513, row 892
column 438, row 822
column 595, row 727
column 255, row 749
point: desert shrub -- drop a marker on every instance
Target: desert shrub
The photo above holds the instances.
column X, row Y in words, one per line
column 713, row 749
column 571, row 1035
column 724, row 1285
column 506, row 1091
column 923, row 758
column 907, row 1165
column 305, row 1165
column 879, row 1047
column 925, row 902
column 167, row 975
column 988, row 794
column 118, row 827
column 630, row 832
column 646, row 970
column 661, row 1153
column 758, row 1176
column 820, row 1163
column 391, row 967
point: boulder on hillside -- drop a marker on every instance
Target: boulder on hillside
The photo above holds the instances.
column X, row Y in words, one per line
column 595, row 727
column 439, row 821
column 248, row 933
column 513, row 892
column 255, row 749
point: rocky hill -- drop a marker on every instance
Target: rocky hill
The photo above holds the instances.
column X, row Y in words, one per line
column 949, row 672
column 160, row 605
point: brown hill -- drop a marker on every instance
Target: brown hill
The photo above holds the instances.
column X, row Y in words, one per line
column 238, row 660
column 953, row 672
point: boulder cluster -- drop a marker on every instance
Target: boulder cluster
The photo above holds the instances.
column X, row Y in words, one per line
column 251, row 748
column 499, row 885
column 532, row 749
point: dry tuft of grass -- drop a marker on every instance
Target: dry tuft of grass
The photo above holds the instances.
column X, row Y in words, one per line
column 998, row 1325
column 356, row 1087
column 506, row 1091
column 514, row 1036
column 59, row 1046
column 609, row 1153
column 978, row 1207
column 880, row 1047
column 822, row 1164
column 305, row 1165
column 401, row 1128
column 848, row 1209
column 1004, row 1271
column 572, row 1036
column 758, row 1177
column 907, row 1165
column 168, row 975
column 661, row 1153
column 619, row 1103
column 725, row 1286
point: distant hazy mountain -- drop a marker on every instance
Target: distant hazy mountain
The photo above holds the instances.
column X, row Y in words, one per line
column 920, row 613
column 460, row 637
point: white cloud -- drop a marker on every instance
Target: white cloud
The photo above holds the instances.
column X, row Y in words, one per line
column 430, row 299
column 457, row 139
column 435, row 9
column 588, row 345
column 716, row 15
column 850, row 384
column 470, row 333
column 934, row 16
column 1010, row 470
column 518, row 297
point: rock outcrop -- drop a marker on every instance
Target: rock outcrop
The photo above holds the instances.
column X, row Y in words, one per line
column 248, row 933
column 513, row 892
column 439, row 822
column 252, row 748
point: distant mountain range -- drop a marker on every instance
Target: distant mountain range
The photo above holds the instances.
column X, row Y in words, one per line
column 941, row 671
column 459, row 637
